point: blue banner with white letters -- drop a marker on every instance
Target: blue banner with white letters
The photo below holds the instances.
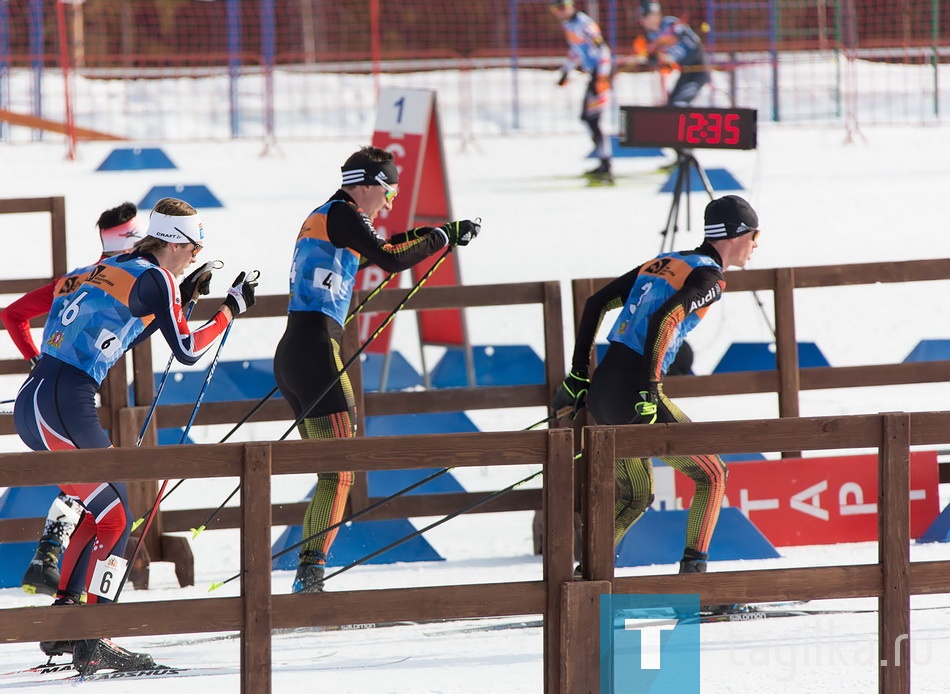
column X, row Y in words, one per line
column 649, row 644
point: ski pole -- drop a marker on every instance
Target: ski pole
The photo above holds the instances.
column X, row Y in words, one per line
column 372, row 507
column 454, row 514
column 376, row 333
column 161, row 385
column 273, row 390
column 445, row 519
column 184, row 435
column 196, row 531
column 215, row 265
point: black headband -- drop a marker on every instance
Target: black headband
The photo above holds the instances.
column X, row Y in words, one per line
column 370, row 173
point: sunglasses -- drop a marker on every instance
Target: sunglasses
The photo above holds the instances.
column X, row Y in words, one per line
column 390, row 191
column 197, row 246
column 743, row 230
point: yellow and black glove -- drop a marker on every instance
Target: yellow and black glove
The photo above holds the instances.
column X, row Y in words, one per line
column 572, row 393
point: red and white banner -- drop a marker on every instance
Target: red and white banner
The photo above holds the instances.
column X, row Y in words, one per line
column 407, row 125
column 815, row 501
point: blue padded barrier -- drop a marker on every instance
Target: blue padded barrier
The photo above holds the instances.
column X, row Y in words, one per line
column 401, row 374
column 620, row 152
column 719, row 179
column 939, row 530
column 929, row 350
column 760, row 356
column 198, row 196
column 21, row 502
column 659, row 536
column 495, row 365
column 359, row 539
column 136, row 159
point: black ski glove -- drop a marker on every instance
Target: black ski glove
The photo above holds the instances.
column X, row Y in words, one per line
column 197, row 283
column 461, row 233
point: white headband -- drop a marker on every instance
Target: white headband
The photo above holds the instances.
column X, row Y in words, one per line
column 123, row 236
column 175, row 229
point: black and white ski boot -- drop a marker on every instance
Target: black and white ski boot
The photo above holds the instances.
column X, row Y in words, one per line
column 92, row 655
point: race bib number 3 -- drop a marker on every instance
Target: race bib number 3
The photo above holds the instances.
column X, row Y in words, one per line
column 107, row 576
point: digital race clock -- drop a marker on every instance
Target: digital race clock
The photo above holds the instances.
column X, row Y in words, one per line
column 688, row 128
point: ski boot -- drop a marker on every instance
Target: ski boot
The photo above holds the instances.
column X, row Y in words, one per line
column 52, row 648
column 42, row 575
column 309, row 578
column 600, row 175
column 92, row 655
column 694, row 562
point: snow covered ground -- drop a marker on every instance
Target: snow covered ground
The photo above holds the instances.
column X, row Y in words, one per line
column 820, row 201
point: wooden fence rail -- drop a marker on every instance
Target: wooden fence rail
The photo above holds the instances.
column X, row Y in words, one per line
column 569, row 607
column 892, row 579
column 256, row 612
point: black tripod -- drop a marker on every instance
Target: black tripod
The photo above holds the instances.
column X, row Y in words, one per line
column 684, row 162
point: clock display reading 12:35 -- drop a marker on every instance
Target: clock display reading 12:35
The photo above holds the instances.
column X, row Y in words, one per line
column 716, row 128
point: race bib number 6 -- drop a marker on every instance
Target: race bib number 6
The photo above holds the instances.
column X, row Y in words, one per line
column 108, row 343
column 107, row 576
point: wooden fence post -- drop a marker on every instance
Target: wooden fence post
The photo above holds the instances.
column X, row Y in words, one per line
column 786, row 348
column 580, row 636
column 256, row 570
column 894, row 554
column 557, row 507
column 598, row 558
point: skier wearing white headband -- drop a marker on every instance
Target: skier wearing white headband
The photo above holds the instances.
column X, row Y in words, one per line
column 122, row 301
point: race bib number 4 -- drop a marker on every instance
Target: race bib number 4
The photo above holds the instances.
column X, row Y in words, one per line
column 330, row 281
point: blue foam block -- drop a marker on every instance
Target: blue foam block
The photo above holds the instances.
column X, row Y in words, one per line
column 198, row 196
column 14, row 558
column 939, row 530
column 252, row 378
column 21, row 502
column 357, row 540
column 401, row 373
column 719, row 179
column 760, row 356
column 383, row 483
column 501, row 365
column 412, row 424
column 929, row 350
column 172, row 437
column 620, row 152
column 659, row 536
column 232, row 380
column 27, row 502
column 136, row 159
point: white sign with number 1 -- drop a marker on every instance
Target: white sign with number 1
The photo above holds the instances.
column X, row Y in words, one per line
column 107, row 576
